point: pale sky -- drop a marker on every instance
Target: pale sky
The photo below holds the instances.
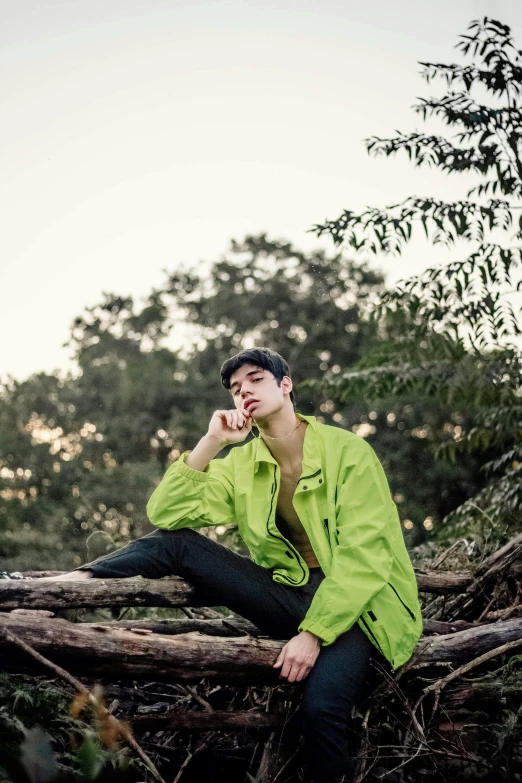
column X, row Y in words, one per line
column 137, row 136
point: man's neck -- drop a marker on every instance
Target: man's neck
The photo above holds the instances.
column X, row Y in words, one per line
column 284, row 437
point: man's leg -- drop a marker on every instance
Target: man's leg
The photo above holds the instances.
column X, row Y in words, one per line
column 222, row 577
column 342, row 676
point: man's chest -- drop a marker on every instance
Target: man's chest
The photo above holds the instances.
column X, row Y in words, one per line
column 288, row 485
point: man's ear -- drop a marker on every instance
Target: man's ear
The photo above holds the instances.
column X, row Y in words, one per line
column 286, row 384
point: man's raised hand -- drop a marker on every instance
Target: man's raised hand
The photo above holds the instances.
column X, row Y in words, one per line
column 230, row 426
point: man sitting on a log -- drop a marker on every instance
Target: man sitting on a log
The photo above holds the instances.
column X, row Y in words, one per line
column 329, row 567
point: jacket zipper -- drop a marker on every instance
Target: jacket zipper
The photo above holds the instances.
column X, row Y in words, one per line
column 372, row 635
column 280, row 538
column 402, row 602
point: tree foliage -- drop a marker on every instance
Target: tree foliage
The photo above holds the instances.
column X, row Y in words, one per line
column 453, row 332
column 79, row 455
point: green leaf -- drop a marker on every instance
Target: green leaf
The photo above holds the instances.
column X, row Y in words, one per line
column 90, row 757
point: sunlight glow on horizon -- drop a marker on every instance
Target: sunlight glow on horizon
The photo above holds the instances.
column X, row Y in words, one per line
column 137, row 137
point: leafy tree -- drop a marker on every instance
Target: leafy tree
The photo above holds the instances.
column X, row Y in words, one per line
column 59, row 483
column 452, row 333
column 269, row 293
column 79, row 455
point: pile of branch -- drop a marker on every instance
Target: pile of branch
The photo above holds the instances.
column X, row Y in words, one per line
column 473, row 629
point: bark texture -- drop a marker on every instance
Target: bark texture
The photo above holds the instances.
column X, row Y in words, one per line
column 89, row 593
column 36, row 594
column 108, row 651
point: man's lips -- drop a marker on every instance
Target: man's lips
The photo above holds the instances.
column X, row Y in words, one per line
column 248, row 404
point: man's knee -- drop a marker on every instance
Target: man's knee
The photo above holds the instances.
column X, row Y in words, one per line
column 172, row 544
column 153, row 556
column 182, row 534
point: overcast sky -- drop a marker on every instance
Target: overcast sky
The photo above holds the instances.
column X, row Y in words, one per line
column 137, row 136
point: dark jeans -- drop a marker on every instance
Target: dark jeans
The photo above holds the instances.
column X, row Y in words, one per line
column 344, row 671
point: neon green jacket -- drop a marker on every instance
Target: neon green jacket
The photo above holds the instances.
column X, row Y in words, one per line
column 345, row 506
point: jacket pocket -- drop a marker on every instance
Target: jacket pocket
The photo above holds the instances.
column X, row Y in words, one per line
column 412, row 615
column 331, row 533
column 376, row 631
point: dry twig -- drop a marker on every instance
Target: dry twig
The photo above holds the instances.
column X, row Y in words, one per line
column 79, row 686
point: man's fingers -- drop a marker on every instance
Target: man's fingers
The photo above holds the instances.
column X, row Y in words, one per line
column 290, row 677
column 280, row 659
column 287, row 668
column 245, row 418
column 293, row 674
column 303, row 673
column 233, row 420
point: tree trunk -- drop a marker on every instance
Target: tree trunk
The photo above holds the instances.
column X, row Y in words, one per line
column 463, row 646
column 135, row 591
column 227, row 626
column 36, row 594
column 219, row 720
column 107, row 652
column 120, row 653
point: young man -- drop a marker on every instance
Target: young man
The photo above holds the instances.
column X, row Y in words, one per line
column 329, row 567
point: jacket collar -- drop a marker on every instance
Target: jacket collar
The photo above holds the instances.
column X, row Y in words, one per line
column 311, row 448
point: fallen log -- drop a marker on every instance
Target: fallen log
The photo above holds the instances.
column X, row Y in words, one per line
column 463, row 646
column 218, row 720
column 111, row 723
column 474, row 620
column 501, row 558
column 443, row 582
column 233, row 626
column 36, row 594
column 497, row 566
column 121, row 653
column 480, row 694
column 238, row 626
column 135, row 591
column 431, row 627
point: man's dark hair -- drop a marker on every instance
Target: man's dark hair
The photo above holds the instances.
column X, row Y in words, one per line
column 259, row 357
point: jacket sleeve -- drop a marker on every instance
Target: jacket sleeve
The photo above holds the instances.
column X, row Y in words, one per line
column 193, row 498
column 362, row 558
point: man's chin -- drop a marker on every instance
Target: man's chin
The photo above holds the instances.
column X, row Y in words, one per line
column 261, row 415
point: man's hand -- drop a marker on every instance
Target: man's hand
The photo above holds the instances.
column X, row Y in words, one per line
column 230, row 426
column 298, row 656
column 225, row 427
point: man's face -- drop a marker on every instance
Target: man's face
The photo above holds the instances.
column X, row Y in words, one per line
column 257, row 390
